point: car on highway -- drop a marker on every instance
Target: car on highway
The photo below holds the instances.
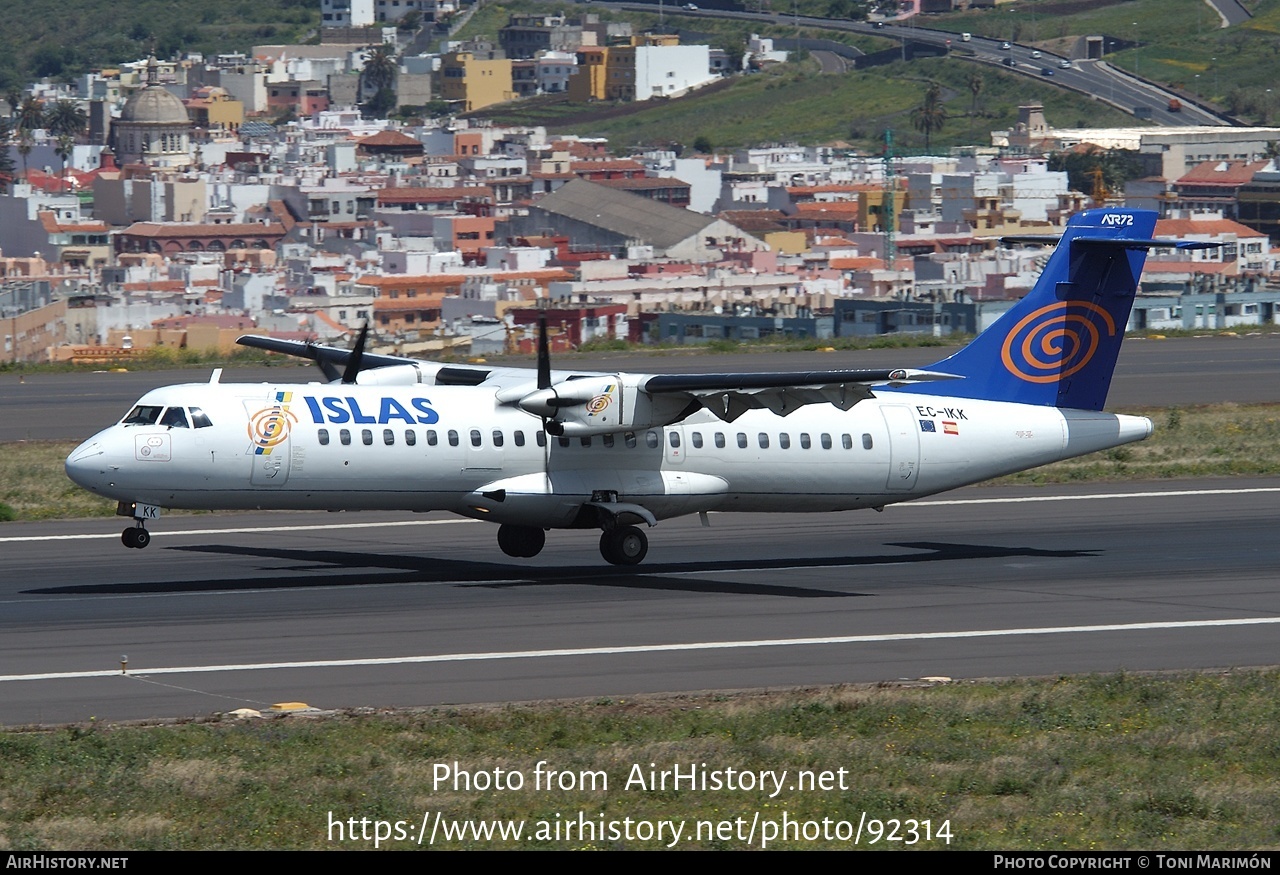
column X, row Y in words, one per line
column 1009, row 62
column 1064, row 64
column 1004, row 47
column 1035, row 54
column 1045, row 71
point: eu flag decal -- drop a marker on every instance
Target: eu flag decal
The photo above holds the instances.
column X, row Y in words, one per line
column 927, row 425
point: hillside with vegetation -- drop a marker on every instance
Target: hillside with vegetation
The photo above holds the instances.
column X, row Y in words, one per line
column 65, row 38
column 1178, row 43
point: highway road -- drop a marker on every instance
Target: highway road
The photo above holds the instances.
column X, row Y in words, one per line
column 348, row 610
column 1094, row 78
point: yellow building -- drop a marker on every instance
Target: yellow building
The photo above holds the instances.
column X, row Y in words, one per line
column 468, row 82
column 588, row 83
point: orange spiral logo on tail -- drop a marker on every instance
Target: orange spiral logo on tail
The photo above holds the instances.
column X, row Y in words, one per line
column 1055, row 341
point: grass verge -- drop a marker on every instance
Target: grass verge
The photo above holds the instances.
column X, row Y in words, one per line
column 1107, row 762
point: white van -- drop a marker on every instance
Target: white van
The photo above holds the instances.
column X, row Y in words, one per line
column 965, row 37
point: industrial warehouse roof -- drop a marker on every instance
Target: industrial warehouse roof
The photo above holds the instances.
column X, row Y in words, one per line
column 632, row 216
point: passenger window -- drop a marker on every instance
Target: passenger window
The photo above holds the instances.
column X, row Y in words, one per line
column 764, row 441
column 410, row 436
column 345, row 437
column 720, row 439
column 805, row 443
column 651, row 439
column 366, row 437
column 497, row 438
column 388, row 436
column 540, row 438
column 562, row 441
column 826, row 441
column 519, row 438
column 607, row 440
column 846, row 441
column 674, row 440
column 475, row 437
column 323, row 435
column 697, row 440
column 199, row 418
column 174, row 417
column 453, row 438
column 143, row 414
column 742, row 440
column 630, row 440
column 585, row 441
column 432, row 437
column 784, row 441
column 866, row 442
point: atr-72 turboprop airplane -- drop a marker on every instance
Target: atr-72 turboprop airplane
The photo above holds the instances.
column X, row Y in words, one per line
column 534, row 450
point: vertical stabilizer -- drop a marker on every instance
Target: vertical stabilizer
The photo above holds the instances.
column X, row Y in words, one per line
column 1058, row 345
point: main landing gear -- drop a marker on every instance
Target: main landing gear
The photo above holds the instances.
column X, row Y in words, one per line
column 137, row 536
column 522, row 542
column 624, row 545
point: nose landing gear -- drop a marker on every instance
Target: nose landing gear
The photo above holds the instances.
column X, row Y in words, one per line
column 137, row 536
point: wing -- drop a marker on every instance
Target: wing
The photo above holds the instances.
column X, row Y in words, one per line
column 728, row 396
column 607, row 403
column 595, row 403
column 381, row 369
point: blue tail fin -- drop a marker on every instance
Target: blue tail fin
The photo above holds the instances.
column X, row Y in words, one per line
column 1058, row 345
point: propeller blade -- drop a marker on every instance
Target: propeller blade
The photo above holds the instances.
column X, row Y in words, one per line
column 544, row 354
column 357, row 357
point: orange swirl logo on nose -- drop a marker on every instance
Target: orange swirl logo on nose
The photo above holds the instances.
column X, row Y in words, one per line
column 1055, row 341
column 269, row 427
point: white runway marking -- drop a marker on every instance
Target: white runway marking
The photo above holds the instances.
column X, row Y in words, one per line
column 651, row 648
column 1178, row 493
column 249, row 530
column 156, row 533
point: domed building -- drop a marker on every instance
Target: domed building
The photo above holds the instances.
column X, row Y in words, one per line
column 153, row 128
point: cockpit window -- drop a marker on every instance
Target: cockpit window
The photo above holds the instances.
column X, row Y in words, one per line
column 175, row 417
column 143, row 414
column 199, row 418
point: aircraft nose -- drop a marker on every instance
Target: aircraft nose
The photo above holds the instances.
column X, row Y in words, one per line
column 86, row 464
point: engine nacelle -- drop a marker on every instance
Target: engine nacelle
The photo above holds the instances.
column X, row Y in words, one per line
column 392, row 375
column 606, row 404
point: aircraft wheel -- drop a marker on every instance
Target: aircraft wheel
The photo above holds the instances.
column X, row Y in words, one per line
column 522, row 542
column 624, row 546
column 135, row 537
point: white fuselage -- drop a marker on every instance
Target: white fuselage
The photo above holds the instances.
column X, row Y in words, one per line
column 454, row 448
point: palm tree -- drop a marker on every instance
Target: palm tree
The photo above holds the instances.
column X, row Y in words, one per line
column 63, row 148
column 975, row 83
column 379, row 70
column 25, row 144
column 930, row 116
column 66, row 117
column 31, row 115
column 6, row 158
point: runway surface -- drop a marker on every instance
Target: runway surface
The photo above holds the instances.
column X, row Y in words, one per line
column 1151, row 373
column 338, row 610
column 350, row 610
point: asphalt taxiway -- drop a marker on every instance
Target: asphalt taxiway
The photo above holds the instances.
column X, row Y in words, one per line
column 347, row 610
